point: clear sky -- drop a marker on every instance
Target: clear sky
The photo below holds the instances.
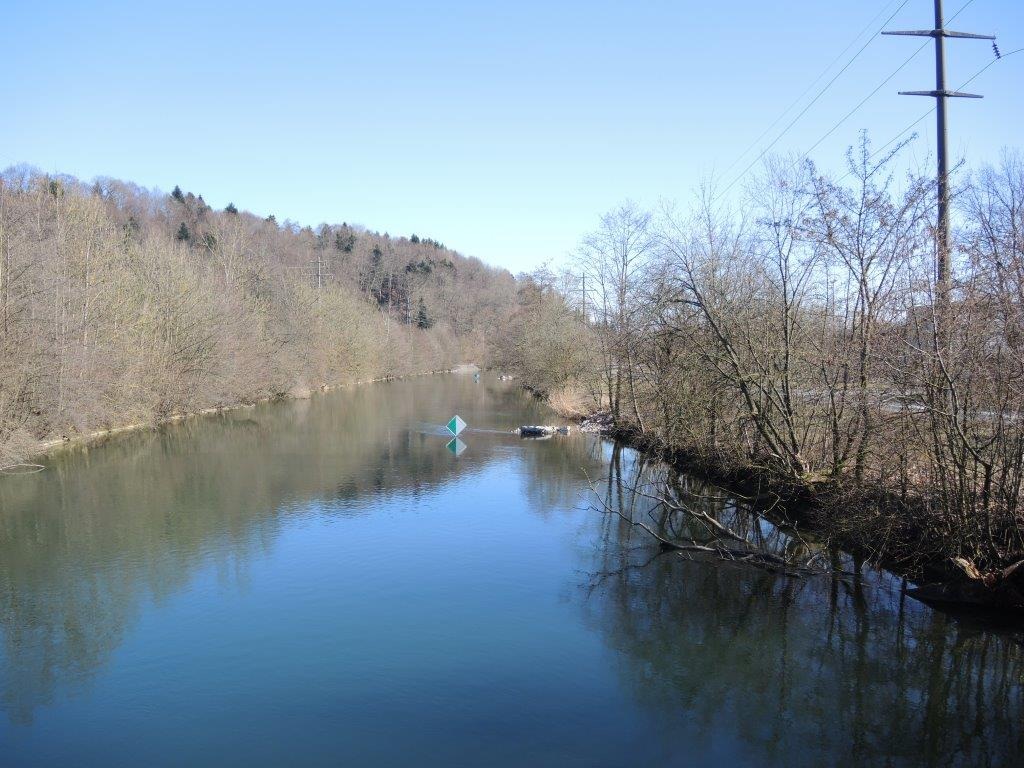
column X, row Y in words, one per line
column 501, row 129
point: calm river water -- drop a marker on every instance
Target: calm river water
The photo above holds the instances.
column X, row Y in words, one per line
column 322, row 583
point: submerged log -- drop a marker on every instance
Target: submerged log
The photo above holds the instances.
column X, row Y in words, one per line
column 533, row 430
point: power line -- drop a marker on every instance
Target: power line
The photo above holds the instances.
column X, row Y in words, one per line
column 964, row 84
column 810, row 104
column 798, row 99
column 849, row 114
column 879, row 87
column 863, row 101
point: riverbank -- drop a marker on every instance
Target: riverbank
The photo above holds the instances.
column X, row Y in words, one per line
column 879, row 528
column 51, row 446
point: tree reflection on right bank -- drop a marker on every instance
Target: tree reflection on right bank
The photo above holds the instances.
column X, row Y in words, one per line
column 813, row 671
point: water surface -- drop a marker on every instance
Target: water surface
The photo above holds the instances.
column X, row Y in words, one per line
column 322, row 583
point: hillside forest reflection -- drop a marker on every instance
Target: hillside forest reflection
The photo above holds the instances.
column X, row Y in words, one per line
column 106, row 528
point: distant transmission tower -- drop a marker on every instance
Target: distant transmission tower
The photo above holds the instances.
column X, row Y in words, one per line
column 939, row 34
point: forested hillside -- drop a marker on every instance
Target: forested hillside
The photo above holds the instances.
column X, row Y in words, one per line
column 121, row 305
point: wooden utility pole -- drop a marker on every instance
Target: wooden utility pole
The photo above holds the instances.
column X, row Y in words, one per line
column 941, row 93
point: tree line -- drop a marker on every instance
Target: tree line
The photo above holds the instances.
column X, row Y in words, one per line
column 121, row 305
column 801, row 338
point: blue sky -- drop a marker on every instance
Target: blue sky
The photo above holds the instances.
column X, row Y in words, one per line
column 502, row 129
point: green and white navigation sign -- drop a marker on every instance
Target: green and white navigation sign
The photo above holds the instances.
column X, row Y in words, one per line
column 456, row 425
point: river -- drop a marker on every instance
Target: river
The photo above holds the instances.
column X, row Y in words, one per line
column 322, row 582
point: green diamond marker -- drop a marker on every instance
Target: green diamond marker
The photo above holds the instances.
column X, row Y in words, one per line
column 456, row 425
column 456, row 446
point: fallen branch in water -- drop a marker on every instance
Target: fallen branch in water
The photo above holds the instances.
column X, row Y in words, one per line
column 601, row 577
column 718, row 548
column 712, row 525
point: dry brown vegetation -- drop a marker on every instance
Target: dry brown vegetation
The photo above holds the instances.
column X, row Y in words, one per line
column 799, row 340
column 120, row 305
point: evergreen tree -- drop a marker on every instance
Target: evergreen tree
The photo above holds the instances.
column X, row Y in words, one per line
column 183, row 234
column 231, row 209
column 132, row 228
column 423, row 320
column 344, row 242
column 177, row 194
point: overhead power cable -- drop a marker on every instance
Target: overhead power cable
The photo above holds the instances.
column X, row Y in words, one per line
column 879, row 87
column 849, row 114
column 870, row 25
column 931, row 111
column 810, row 104
column 864, row 101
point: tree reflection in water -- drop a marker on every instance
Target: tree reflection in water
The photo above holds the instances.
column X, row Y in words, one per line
column 778, row 670
column 812, row 671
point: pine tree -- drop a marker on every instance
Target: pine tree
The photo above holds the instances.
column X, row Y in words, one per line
column 183, row 234
column 177, row 194
column 231, row 209
column 344, row 242
column 422, row 318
